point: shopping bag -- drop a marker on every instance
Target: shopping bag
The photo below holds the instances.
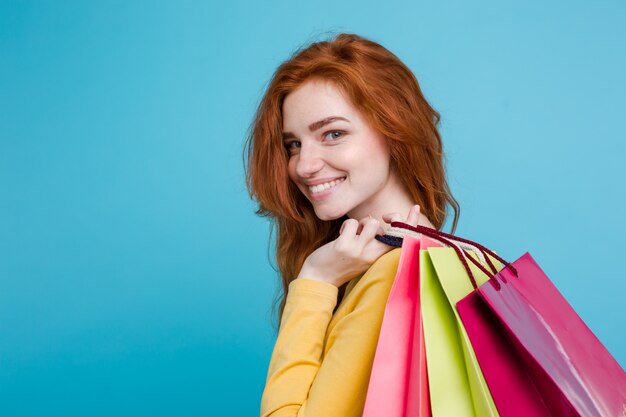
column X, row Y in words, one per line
column 520, row 316
column 512, row 388
column 456, row 384
column 398, row 385
column 576, row 373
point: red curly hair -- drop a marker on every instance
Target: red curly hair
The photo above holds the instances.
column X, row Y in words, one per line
column 388, row 95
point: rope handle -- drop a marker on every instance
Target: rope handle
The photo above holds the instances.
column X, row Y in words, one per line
column 454, row 242
column 479, row 246
column 400, row 232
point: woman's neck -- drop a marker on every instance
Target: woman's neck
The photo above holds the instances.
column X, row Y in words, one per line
column 395, row 198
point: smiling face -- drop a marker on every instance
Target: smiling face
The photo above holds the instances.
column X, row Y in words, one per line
column 338, row 161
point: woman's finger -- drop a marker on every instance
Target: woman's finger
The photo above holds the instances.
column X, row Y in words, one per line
column 349, row 227
column 392, row 217
column 371, row 226
column 414, row 216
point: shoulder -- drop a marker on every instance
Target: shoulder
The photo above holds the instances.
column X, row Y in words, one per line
column 379, row 275
column 383, row 265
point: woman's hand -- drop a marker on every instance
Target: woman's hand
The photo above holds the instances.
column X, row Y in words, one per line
column 353, row 252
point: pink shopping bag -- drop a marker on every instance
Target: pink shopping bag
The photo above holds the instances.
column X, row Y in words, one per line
column 512, row 388
column 398, row 385
column 571, row 367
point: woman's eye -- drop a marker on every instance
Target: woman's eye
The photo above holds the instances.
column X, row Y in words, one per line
column 289, row 146
column 334, row 134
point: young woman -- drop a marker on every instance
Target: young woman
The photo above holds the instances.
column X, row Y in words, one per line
column 343, row 144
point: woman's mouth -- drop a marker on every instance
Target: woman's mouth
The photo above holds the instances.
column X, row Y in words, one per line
column 320, row 191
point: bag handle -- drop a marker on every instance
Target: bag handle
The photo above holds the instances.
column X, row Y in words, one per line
column 448, row 239
column 479, row 246
column 397, row 241
column 400, row 232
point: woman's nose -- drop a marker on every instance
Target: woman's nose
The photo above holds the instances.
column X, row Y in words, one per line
column 309, row 161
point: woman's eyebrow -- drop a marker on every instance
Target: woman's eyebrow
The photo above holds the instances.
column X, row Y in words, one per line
column 317, row 125
column 321, row 123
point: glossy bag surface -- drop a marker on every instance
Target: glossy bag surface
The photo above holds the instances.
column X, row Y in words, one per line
column 570, row 368
column 398, row 385
column 512, row 387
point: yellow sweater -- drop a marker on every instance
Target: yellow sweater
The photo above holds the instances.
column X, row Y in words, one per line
column 321, row 363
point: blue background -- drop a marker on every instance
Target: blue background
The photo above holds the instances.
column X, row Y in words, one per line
column 135, row 278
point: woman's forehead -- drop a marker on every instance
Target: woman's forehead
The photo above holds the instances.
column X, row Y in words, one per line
column 313, row 102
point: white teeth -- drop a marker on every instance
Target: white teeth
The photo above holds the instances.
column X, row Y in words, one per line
column 325, row 186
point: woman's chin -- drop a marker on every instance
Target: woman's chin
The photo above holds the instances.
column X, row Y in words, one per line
column 329, row 215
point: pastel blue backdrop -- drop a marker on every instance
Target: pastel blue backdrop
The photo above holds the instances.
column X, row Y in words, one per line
column 135, row 278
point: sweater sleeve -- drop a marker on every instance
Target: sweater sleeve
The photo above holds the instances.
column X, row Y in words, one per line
column 299, row 382
column 298, row 350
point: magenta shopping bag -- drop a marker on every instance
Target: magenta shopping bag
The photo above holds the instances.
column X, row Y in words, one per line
column 512, row 388
column 565, row 359
column 537, row 355
column 398, row 385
